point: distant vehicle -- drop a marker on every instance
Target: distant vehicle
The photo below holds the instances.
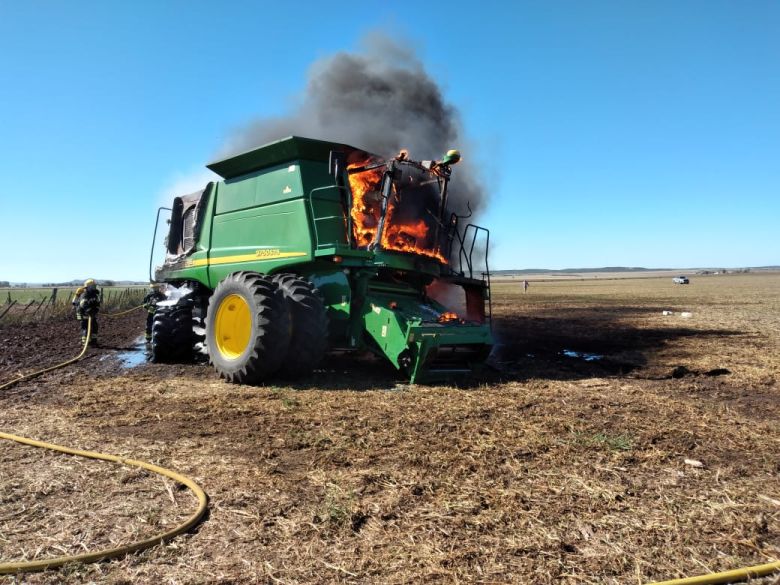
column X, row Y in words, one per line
column 680, row 280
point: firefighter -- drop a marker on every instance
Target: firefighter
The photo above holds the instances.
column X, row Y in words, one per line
column 151, row 299
column 87, row 300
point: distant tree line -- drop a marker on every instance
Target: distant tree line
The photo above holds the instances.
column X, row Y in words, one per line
column 724, row 271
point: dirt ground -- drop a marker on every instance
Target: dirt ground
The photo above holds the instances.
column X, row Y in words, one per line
column 565, row 462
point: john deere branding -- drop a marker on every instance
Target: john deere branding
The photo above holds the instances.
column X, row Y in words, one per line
column 263, row 254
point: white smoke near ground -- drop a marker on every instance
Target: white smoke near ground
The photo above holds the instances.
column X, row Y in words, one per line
column 450, row 296
column 184, row 183
column 176, row 185
column 380, row 99
column 173, row 295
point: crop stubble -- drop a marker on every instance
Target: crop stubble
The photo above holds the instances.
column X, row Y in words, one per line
column 552, row 469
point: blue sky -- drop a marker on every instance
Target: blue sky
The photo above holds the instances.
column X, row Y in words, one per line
column 609, row 133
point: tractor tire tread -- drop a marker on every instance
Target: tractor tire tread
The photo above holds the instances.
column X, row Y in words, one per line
column 271, row 335
column 172, row 336
column 309, row 340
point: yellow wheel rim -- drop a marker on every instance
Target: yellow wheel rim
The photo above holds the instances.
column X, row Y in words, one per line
column 233, row 326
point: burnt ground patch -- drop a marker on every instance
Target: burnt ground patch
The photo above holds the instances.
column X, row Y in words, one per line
column 37, row 345
column 558, row 343
column 582, row 343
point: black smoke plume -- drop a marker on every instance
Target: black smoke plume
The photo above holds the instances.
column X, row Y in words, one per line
column 380, row 99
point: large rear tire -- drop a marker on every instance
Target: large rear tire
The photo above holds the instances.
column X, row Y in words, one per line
column 247, row 328
column 172, row 335
column 309, row 324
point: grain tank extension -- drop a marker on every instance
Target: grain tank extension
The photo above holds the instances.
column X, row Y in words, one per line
column 309, row 246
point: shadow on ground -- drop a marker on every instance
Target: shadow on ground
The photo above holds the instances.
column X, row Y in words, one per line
column 572, row 344
column 558, row 343
column 578, row 344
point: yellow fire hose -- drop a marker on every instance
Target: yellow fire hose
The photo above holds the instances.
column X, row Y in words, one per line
column 123, row 312
column 28, row 566
column 55, row 367
column 734, row 576
column 75, row 359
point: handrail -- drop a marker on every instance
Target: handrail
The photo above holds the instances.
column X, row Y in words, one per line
column 467, row 255
column 314, row 219
column 154, row 238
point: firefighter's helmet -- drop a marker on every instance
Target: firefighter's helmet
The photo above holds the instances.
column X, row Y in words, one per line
column 90, row 283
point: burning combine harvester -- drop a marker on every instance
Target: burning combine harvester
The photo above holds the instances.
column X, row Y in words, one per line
column 307, row 246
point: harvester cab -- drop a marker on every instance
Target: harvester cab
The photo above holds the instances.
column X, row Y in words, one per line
column 306, row 246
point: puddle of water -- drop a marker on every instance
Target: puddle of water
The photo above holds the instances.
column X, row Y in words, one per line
column 134, row 357
column 588, row 357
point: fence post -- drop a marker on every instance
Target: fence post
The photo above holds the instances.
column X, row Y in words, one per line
column 66, row 305
column 53, row 296
column 8, row 308
column 38, row 308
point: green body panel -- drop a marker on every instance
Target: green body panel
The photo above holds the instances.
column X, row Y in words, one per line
column 260, row 239
column 274, row 153
column 326, row 206
column 264, row 222
column 268, row 186
column 279, row 209
column 409, row 262
column 398, row 325
column 429, row 338
column 337, row 295
column 199, row 272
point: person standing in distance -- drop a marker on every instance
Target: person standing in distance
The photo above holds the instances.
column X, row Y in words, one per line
column 87, row 300
column 151, row 299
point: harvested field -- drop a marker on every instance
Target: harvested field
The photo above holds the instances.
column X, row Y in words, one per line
column 564, row 464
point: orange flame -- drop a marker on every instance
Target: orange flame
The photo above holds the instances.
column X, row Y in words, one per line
column 448, row 317
column 410, row 237
column 366, row 203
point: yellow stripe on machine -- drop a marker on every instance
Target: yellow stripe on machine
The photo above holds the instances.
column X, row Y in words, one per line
column 265, row 254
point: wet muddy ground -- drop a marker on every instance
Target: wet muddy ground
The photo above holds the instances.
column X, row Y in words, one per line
column 605, row 443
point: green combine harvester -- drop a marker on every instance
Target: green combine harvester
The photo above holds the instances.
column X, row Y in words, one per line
column 308, row 246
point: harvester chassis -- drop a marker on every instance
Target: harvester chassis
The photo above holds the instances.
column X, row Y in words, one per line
column 275, row 275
